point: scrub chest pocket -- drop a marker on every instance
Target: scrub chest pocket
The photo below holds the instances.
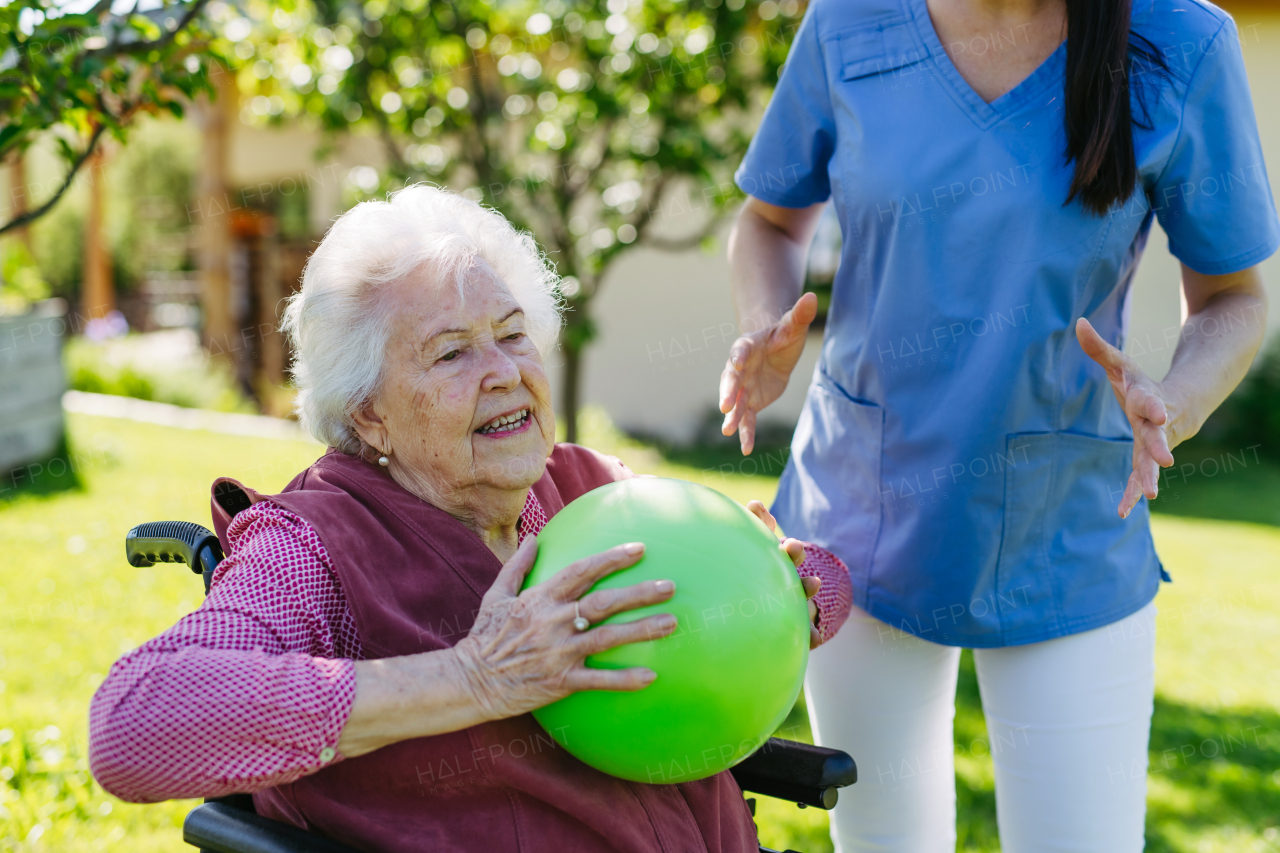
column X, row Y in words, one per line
column 875, row 50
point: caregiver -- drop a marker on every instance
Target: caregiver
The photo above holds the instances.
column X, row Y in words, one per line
column 966, row 441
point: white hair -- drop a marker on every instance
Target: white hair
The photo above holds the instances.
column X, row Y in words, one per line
column 339, row 331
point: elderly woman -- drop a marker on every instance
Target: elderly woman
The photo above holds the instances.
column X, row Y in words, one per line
column 365, row 662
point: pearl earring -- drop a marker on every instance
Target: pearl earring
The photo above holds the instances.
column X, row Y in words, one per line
column 384, row 461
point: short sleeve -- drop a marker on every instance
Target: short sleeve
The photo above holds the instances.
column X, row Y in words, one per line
column 786, row 163
column 1213, row 198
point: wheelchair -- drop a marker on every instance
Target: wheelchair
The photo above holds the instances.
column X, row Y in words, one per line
column 809, row 776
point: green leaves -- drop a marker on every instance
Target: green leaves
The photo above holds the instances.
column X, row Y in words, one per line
column 573, row 119
column 78, row 75
column 595, row 125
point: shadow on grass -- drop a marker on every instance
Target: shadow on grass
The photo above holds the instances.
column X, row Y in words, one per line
column 50, row 476
column 709, row 450
column 1222, row 768
column 1209, row 770
column 1228, row 483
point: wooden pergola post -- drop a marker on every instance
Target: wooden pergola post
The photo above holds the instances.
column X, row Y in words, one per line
column 210, row 213
column 97, row 294
column 18, row 192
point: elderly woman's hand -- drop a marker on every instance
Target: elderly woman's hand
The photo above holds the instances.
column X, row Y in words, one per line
column 794, row 549
column 524, row 652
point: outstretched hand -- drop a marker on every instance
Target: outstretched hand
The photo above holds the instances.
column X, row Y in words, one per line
column 1150, row 409
column 759, row 366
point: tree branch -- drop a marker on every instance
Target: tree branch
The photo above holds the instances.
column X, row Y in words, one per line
column 393, row 149
column 641, row 223
column 478, row 107
column 32, row 215
column 116, row 48
column 100, row 8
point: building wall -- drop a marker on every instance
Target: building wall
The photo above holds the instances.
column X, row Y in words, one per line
column 263, row 161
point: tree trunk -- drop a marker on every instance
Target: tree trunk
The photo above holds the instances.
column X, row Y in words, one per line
column 569, row 400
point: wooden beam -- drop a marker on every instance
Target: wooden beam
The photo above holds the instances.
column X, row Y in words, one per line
column 97, row 293
column 213, row 225
column 18, row 190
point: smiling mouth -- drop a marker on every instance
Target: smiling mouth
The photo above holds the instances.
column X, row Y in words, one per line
column 506, row 423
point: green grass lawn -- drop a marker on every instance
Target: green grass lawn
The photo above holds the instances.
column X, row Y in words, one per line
column 69, row 605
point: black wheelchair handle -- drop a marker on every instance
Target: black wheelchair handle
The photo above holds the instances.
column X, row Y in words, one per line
column 174, row 542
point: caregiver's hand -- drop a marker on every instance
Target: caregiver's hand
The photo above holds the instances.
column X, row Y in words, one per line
column 759, row 366
column 1151, row 409
column 794, row 549
column 523, row 651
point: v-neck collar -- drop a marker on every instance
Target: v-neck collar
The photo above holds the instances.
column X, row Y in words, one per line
column 984, row 114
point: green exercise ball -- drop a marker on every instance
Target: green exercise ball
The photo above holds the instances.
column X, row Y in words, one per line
column 732, row 670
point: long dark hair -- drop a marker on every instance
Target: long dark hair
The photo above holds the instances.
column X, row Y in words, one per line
column 1102, row 58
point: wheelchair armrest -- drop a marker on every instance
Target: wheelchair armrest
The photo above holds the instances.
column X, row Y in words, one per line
column 222, row 828
column 804, row 774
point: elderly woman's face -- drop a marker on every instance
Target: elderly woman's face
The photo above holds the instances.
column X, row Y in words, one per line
column 465, row 400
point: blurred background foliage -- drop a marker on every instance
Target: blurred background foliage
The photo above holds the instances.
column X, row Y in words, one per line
column 1251, row 417
column 22, row 278
column 70, row 75
column 576, row 121
column 144, row 367
column 150, row 184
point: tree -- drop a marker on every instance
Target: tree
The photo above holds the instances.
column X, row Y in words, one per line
column 576, row 119
column 82, row 75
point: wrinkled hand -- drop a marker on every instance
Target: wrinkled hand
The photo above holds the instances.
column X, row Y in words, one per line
column 758, row 369
column 794, row 549
column 1151, row 412
column 523, row 651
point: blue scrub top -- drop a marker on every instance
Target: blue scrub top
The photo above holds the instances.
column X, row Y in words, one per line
column 957, row 448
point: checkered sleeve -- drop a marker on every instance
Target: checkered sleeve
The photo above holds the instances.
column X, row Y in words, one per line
column 835, row 597
column 249, row 691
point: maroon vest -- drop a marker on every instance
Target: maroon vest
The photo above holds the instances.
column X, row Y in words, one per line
column 414, row 576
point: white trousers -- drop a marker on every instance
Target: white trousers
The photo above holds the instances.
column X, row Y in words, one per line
column 1068, row 721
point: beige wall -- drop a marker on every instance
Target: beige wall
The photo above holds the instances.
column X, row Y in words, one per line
column 666, row 322
column 277, row 160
